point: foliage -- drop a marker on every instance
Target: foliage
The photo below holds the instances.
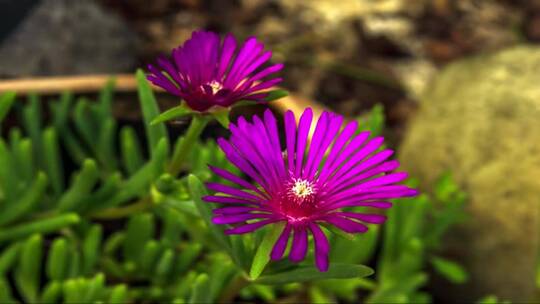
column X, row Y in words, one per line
column 90, row 211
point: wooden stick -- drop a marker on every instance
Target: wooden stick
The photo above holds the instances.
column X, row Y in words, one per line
column 124, row 83
column 74, row 84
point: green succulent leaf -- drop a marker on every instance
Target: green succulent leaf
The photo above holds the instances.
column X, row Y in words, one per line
column 57, row 261
column 140, row 229
column 199, row 292
column 82, row 185
column 311, row 273
column 452, row 271
column 27, row 275
column 6, row 101
column 46, row 225
column 262, row 255
column 276, row 94
column 171, row 114
column 222, row 117
column 150, row 111
column 27, row 202
column 8, row 258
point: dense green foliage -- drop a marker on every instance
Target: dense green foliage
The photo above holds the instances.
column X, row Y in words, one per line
column 121, row 228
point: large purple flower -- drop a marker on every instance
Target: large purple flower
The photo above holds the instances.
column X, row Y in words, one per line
column 206, row 72
column 310, row 184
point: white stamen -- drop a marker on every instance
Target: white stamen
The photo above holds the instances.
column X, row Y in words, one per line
column 302, row 188
column 216, row 86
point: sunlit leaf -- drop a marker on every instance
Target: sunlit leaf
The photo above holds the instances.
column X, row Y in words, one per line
column 452, row 271
column 311, row 273
column 262, row 255
column 171, row 114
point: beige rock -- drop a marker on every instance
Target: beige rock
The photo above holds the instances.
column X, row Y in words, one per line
column 480, row 119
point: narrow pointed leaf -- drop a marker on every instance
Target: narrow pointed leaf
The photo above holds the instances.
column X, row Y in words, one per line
column 310, row 273
column 262, row 256
column 150, row 111
column 170, row 114
column 276, row 94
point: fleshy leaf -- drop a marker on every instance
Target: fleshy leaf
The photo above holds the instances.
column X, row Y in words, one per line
column 311, row 273
column 276, row 94
column 222, row 117
column 262, row 256
column 450, row 270
column 170, row 114
column 6, row 101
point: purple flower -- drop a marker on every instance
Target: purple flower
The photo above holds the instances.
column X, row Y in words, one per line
column 308, row 185
column 206, row 72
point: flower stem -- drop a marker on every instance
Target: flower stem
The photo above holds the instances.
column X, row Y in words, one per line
column 119, row 212
column 197, row 125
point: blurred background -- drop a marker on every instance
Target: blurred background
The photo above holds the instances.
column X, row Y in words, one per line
column 458, row 81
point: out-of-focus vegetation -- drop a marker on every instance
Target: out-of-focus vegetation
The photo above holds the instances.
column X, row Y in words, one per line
column 90, row 214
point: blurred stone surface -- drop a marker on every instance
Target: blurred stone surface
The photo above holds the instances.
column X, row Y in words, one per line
column 68, row 37
column 480, row 119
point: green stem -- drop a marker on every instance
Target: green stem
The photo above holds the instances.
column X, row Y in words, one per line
column 120, row 212
column 197, row 125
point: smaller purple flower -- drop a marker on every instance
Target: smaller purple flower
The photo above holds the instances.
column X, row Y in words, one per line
column 207, row 72
column 311, row 184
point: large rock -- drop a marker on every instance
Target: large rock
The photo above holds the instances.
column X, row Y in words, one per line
column 68, row 37
column 481, row 119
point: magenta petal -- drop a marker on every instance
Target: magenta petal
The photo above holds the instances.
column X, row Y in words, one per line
column 232, row 191
column 250, row 227
column 303, row 130
column 236, row 218
column 368, row 218
column 290, row 136
column 281, row 243
column 227, row 200
column 233, row 210
column 345, row 224
column 204, row 67
column 299, row 245
column 322, row 247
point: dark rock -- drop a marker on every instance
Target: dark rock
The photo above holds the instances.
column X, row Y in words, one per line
column 68, row 37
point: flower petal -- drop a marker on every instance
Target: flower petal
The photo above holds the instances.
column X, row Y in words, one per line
column 322, row 247
column 281, row 244
column 299, row 245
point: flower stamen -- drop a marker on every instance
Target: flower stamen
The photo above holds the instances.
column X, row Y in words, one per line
column 302, row 188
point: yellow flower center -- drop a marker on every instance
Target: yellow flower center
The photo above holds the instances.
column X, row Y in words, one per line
column 302, row 188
